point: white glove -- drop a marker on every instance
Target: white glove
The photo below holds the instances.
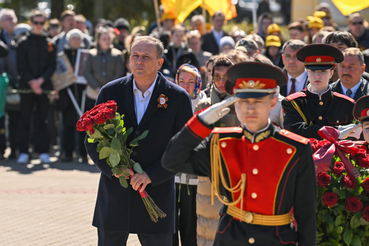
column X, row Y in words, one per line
column 216, row 111
column 351, row 130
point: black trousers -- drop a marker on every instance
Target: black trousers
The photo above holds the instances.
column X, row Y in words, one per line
column 2, row 136
column 13, row 128
column 186, row 218
column 119, row 238
column 28, row 102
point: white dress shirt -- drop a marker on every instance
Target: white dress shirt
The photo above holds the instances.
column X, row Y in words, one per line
column 353, row 89
column 299, row 84
column 141, row 102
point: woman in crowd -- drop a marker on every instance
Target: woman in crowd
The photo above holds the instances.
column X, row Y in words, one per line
column 273, row 50
column 103, row 64
column 70, row 116
column 317, row 106
column 188, row 77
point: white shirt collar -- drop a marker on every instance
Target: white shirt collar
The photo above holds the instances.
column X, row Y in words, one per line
column 150, row 90
column 300, row 78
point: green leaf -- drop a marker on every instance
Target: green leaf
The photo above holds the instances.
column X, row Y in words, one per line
column 338, row 221
column 333, row 242
column 109, row 126
column 115, row 144
column 363, row 221
column 133, row 143
column 117, row 170
column 97, row 134
column 91, row 140
column 340, row 193
column 129, row 131
column 339, row 229
column 111, row 131
column 143, row 135
column 347, row 237
column 104, row 152
column 327, row 218
column 114, row 158
column 356, row 241
column 355, row 220
column 137, row 167
column 123, row 181
column 330, row 226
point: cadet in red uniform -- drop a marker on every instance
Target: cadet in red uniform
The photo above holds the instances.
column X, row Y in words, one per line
column 317, row 106
column 258, row 171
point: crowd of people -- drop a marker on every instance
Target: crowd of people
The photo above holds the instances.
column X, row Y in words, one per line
column 325, row 70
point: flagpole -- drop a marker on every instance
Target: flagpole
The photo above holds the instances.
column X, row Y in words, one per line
column 204, row 15
column 254, row 15
column 157, row 13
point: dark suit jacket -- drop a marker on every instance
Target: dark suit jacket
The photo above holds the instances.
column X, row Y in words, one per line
column 210, row 44
column 118, row 208
column 283, row 88
column 363, row 90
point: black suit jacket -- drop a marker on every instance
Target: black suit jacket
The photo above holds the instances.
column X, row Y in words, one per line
column 118, row 208
column 210, row 44
column 363, row 90
column 283, row 88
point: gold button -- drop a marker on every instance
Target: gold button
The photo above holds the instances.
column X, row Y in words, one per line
column 320, row 117
column 255, row 147
column 255, row 171
column 321, row 103
column 289, row 151
column 249, row 217
column 224, row 144
column 254, row 195
column 251, row 240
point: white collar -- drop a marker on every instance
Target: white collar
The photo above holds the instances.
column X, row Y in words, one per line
column 151, row 88
column 300, row 78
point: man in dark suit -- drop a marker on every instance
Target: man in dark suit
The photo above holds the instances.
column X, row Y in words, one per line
column 148, row 102
column 293, row 68
column 210, row 41
column 350, row 71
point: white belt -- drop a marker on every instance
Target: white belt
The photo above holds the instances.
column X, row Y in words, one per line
column 183, row 180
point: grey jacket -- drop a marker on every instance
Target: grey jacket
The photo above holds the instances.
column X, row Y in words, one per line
column 102, row 67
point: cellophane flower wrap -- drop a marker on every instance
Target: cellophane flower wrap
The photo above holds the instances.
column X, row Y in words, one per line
column 343, row 190
column 105, row 126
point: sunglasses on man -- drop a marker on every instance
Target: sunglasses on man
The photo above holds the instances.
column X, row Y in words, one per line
column 357, row 23
column 38, row 23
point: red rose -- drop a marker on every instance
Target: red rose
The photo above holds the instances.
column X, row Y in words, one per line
column 338, row 168
column 361, row 158
column 99, row 118
column 330, row 199
column 348, row 182
column 353, row 204
column 111, row 104
column 84, row 124
column 109, row 113
column 323, row 179
column 366, row 184
column 317, row 144
column 366, row 213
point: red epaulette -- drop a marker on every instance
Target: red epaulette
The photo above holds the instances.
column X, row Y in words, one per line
column 227, row 130
column 295, row 95
column 343, row 96
column 294, row 136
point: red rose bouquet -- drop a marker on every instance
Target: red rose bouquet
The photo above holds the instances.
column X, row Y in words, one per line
column 105, row 126
column 343, row 190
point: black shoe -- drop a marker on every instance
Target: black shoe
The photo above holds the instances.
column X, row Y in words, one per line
column 12, row 155
column 67, row 159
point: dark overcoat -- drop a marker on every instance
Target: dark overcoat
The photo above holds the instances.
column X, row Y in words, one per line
column 118, row 208
column 363, row 90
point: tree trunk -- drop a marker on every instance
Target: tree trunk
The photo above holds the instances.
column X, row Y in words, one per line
column 57, row 7
column 98, row 9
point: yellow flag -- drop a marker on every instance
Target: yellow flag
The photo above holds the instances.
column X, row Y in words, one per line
column 183, row 8
column 349, row 6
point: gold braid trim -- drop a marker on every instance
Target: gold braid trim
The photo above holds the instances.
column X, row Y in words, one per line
column 217, row 170
column 298, row 109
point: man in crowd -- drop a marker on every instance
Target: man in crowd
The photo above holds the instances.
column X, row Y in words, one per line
column 120, row 211
column 351, row 83
column 36, row 63
column 264, row 20
column 295, row 70
column 122, row 29
column 257, row 194
column 68, row 23
column 296, row 30
column 197, row 23
column 357, row 29
column 248, row 46
column 210, row 41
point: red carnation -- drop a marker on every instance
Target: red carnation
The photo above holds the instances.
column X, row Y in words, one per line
column 348, row 182
column 366, row 184
column 338, row 168
column 353, row 204
column 323, row 179
column 362, row 159
column 330, row 199
column 366, row 213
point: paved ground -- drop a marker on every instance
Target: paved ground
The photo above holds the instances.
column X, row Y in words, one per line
column 48, row 204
